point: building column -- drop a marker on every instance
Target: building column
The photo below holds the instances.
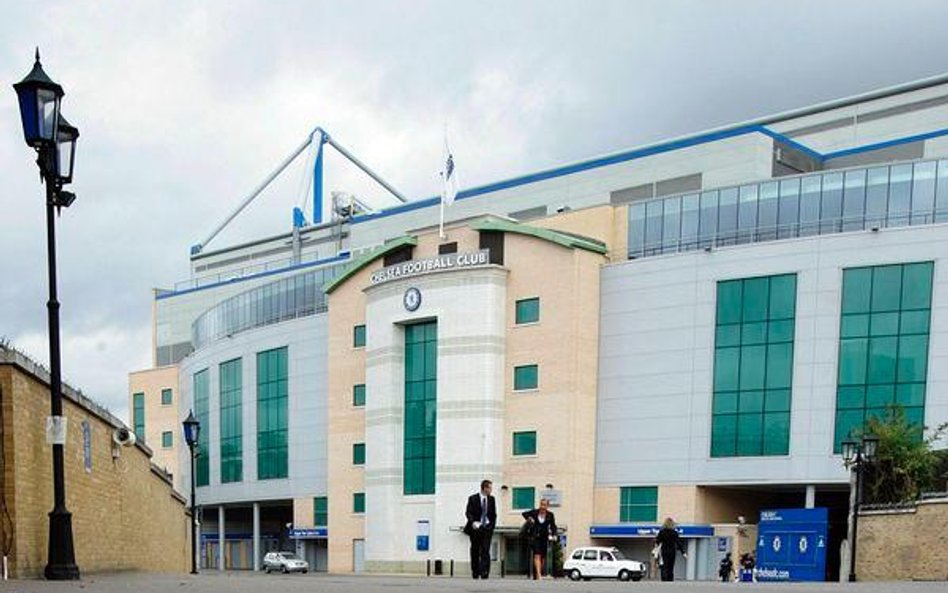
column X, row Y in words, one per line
column 810, row 496
column 691, row 565
column 221, row 541
column 256, row 536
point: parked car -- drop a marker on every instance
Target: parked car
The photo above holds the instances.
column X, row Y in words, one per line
column 606, row 563
column 284, row 562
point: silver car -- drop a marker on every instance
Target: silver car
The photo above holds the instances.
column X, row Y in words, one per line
column 284, row 562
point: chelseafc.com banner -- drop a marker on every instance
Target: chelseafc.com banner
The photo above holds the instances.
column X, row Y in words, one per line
column 791, row 545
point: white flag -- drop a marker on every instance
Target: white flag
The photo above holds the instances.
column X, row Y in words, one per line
column 449, row 176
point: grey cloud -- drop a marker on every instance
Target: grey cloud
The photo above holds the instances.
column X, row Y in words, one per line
column 184, row 106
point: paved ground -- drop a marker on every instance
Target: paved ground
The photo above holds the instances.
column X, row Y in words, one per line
column 260, row 583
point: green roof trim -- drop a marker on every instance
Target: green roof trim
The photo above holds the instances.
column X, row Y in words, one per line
column 367, row 258
column 569, row 240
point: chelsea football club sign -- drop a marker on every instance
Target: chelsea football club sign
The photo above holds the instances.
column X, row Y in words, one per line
column 417, row 267
column 791, row 545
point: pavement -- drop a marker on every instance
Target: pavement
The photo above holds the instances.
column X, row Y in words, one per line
column 244, row 582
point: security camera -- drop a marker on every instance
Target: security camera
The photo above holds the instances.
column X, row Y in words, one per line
column 123, row 437
column 741, row 520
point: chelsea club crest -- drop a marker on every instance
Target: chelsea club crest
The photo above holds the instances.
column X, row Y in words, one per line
column 412, row 299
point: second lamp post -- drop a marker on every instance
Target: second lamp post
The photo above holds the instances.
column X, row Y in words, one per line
column 857, row 456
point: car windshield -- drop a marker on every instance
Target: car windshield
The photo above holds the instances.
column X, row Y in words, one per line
column 619, row 555
column 288, row 555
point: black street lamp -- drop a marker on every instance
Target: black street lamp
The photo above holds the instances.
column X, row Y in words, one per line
column 54, row 140
column 857, row 455
column 192, row 428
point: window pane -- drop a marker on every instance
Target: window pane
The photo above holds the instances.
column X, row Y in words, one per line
column 831, row 206
column 913, row 358
column 886, row 288
column 900, row 195
column 730, row 296
column 917, row 286
column 526, row 377
column 767, row 211
column 854, row 199
column 671, row 225
column 653, row 227
column 857, row 290
column 789, row 210
column 747, row 214
column 709, row 217
column 636, row 230
column 689, row 222
column 528, row 310
column 852, row 361
column 776, row 433
column 923, row 193
column 727, row 216
column 877, row 195
column 810, row 205
column 525, row 443
column 523, row 498
column 941, row 192
column 756, row 299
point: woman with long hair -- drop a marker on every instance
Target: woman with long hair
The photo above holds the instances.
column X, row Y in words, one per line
column 541, row 529
column 669, row 542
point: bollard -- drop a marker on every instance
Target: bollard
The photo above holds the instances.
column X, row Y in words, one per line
column 503, row 568
column 439, row 567
column 452, row 568
column 428, row 567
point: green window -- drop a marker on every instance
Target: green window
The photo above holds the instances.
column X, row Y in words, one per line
column 421, row 388
column 202, row 413
column 358, row 336
column 528, row 310
column 523, row 498
column 883, row 344
column 320, row 511
column 358, row 395
column 358, row 454
column 166, row 397
column 638, row 504
column 753, row 366
column 232, row 433
column 525, row 443
column 138, row 415
column 272, row 395
column 358, row 502
column 167, row 439
column 526, row 377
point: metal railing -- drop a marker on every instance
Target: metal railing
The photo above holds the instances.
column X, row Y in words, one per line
column 838, row 201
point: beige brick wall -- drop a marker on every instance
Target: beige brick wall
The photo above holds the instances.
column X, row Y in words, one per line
column 125, row 514
column 904, row 545
column 609, row 224
column 159, row 418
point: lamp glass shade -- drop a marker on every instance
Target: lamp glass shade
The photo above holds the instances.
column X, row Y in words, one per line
column 849, row 451
column 192, row 429
column 65, row 150
column 39, row 99
column 870, row 445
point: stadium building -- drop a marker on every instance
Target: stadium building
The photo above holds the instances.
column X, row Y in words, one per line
column 684, row 329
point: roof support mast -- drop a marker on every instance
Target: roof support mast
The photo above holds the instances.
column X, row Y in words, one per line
column 317, row 135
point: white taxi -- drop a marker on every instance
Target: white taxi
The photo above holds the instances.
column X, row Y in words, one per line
column 605, row 563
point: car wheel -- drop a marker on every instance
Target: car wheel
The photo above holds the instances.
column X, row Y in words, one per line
column 624, row 575
column 575, row 575
column 267, row 570
column 636, row 577
column 305, row 570
column 285, row 570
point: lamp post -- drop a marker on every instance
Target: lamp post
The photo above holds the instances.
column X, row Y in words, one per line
column 54, row 140
column 857, row 455
column 192, row 428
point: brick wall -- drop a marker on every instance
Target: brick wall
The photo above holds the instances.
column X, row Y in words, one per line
column 126, row 515
column 904, row 544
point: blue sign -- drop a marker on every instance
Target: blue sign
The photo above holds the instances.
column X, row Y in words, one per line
column 421, row 543
column 791, row 545
column 632, row 530
column 722, row 544
column 318, row 533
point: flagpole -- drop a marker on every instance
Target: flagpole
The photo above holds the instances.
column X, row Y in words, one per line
column 441, row 225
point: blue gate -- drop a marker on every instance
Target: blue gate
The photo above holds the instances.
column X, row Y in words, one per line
column 791, row 545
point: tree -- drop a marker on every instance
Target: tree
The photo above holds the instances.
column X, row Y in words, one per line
column 906, row 463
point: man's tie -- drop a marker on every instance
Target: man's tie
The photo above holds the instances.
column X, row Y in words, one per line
column 483, row 510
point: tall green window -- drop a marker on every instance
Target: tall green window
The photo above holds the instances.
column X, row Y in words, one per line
column 526, row 377
column 272, row 395
column 202, row 413
column 358, row 395
column 167, row 439
column 232, row 433
column 166, row 397
column 358, row 454
column 753, row 366
column 358, row 336
column 525, row 443
column 638, row 504
column 421, row 389
column 320, row 511
column 358, row 502
column 883, row 344
column 523, row 498
column 138, row 415
column 528, row 311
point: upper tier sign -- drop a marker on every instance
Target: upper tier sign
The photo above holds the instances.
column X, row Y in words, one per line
column 417, row 267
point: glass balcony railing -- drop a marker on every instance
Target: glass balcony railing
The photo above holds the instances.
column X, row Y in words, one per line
column 838, row 201
column 289, row 298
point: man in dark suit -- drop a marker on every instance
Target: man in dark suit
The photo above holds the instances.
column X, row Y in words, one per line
column 481, row 514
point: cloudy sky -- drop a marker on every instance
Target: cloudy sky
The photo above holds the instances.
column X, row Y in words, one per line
column 184, row 106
